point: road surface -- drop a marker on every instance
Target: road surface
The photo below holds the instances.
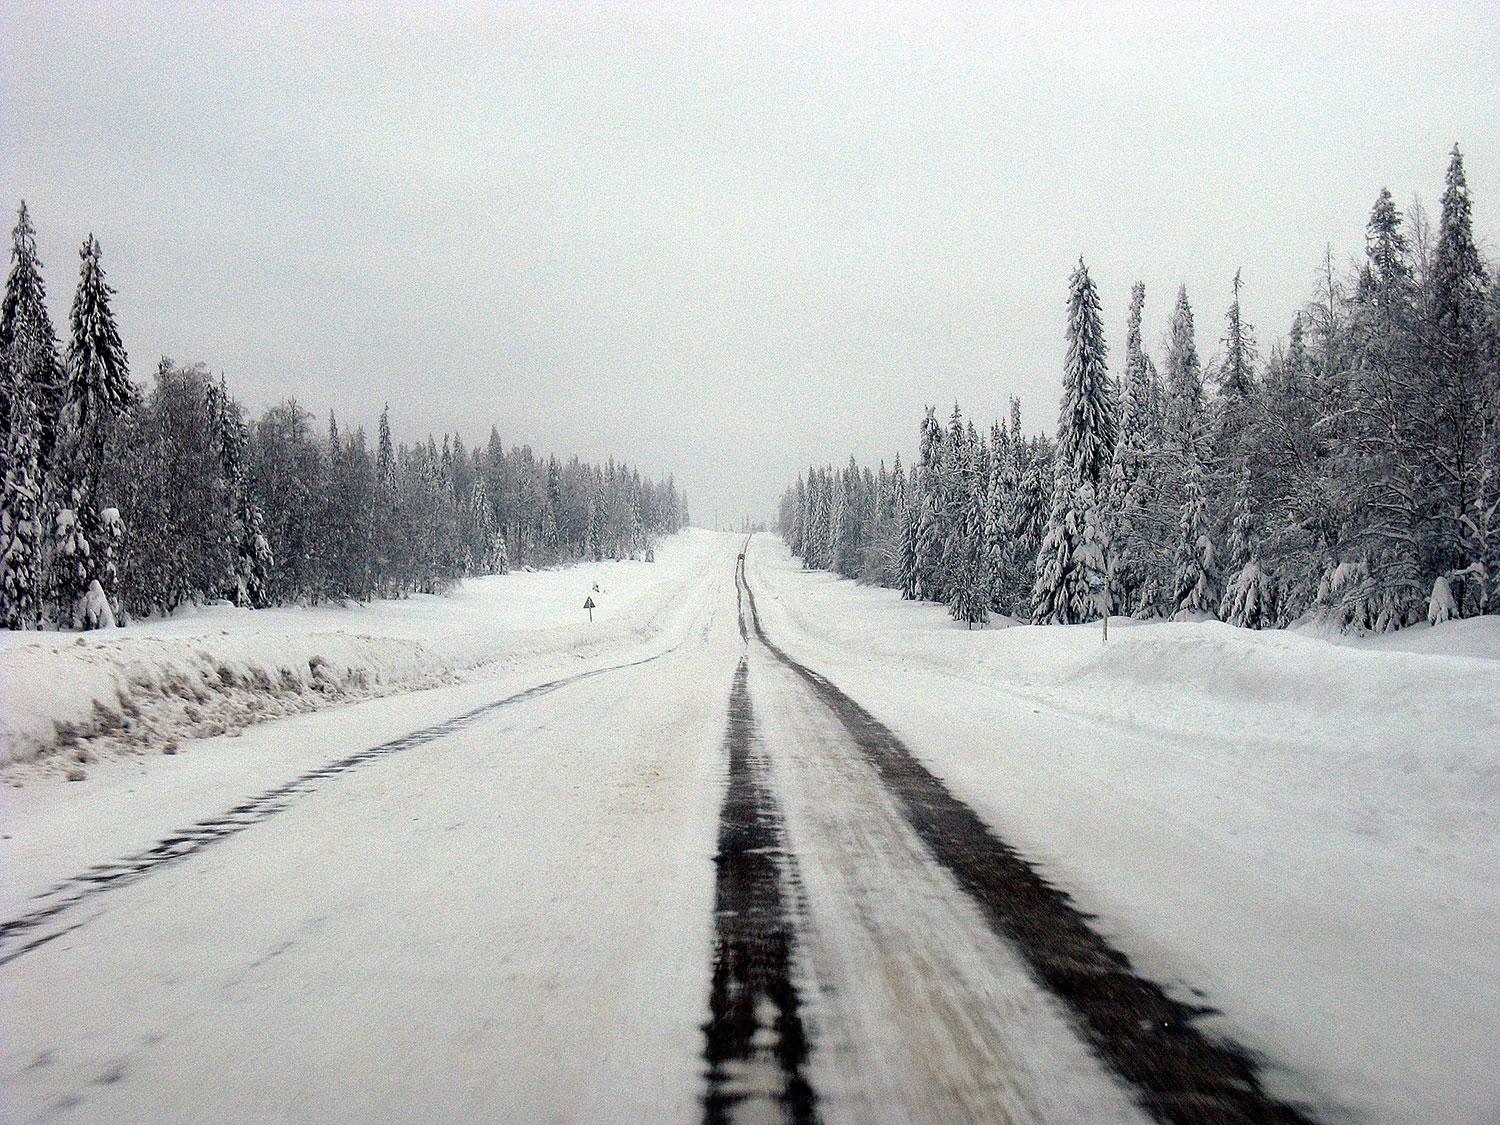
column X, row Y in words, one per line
column 692, row 880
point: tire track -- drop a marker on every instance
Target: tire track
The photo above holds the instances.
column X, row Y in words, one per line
column 74, row 892
column 755, row 1045
column 1177, row 1072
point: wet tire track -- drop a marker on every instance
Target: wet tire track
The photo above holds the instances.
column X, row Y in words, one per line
column 755, row 1043
column 1178, row 1073
column 71, row 893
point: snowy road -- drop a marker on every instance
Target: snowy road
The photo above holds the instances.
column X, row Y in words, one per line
column 689, row 879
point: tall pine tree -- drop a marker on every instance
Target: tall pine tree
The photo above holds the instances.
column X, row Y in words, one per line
column 99, row 392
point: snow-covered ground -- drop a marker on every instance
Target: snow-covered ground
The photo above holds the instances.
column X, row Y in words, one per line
column 513, row 915
column 1304, row 830
column 399, row 661
column 215, row 669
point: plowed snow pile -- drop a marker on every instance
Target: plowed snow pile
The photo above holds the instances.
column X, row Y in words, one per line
column 67, row 698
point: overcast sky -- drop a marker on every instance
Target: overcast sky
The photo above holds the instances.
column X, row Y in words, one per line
column 718, row 244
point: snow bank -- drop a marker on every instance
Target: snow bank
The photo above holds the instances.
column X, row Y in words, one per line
column 66, row 698
column 1301, row 829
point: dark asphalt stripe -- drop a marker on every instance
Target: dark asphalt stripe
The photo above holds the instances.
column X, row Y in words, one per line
column 190, row 841
column 754, row 1044
column 1179, row 1074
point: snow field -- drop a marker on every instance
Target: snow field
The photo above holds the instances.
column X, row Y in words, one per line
column 71, row 698
column 1303, row 830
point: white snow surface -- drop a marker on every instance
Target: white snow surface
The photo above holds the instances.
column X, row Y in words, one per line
column 1306, row 830
column 217, row 668
column 1302, row 828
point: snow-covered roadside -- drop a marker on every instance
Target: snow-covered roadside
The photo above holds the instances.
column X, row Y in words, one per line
column 69, row 699
column 1304, row 830
column 51, row 830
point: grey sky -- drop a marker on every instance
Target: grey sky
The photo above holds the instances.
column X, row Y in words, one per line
column 724, row 245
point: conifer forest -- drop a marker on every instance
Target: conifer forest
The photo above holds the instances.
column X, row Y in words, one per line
column 123, row 501
column 1351, row 470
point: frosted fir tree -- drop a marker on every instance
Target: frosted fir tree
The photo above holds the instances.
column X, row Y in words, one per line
column 98, row 388
column 931, row 533
column 231, row 439
column 109, row 546
column 1086, row 436
column 1131, row 498
column 1195, row 562
column 1237, row 374
column 1061, row 593
column 258, row 560
column 969, row 600
column 1086, row 425
column 72, row 568
column 28, row 343
column 1388, row 487
column 1441, row 605
column 21, row 537
column 908, row 571
column 796, row 532
column 498, row 560
column 1461, row 411
column 999, row 503
column 953, row 496
column 385, row 452
column 1029, row 526
column 1132, row 439
column 839, row 539
column 1184, row 376
column 99, row 391
column 1249, row 598
column 1096, row 557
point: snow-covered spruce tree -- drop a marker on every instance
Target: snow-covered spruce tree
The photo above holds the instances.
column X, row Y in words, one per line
column 972, row 583
column 1390, row 521
column 909, row 571
column 1458, row 406
column 389, row 544
column 1020, row 521
column 98, row 393
column 1033, row 504
column 839, row 543
column 1061, row 593
column 1096, row 554
column 182, row 521
column 1184, row 377
column 1086, row 424
column 999, row 490
column 1441, row 605
column 953, row 491
column 28, row 342
column 1127, row 499
column 1086, row 434
column 252, row 558
column 820, row 521
column 1237, row 372
column 1249, row 598
column 1196, row 562
column 931, row 533
column 796, row 530
column 1131, row 435
column 21, row 522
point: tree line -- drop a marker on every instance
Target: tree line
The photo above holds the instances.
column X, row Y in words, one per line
column 120, row 501
column 1353, row 471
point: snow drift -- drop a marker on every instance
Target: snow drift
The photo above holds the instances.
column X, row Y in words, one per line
column 65, row 698
column 1296, row 830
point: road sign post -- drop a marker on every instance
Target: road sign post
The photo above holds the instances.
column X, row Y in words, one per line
column 588, row 604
